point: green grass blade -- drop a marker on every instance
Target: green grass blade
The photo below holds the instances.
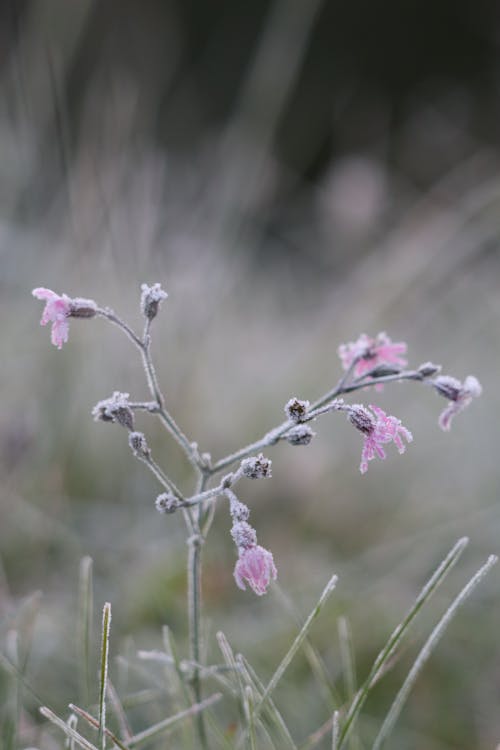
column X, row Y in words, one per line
column 348, row 668
column 392, row 644
column 103, row 679
column 426, row 651
column 84, row 627
column 296, row 644
column 163, row 726
column 95, row 724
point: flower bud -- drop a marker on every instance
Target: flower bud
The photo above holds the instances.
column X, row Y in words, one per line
column 300, row 435
column 361, row 418
column 138, row 445
column 448, row 386
column 380, row 371
column 256, row 467
column 82, row 308
column 151, row 297
column 296, row 409
column 244, row 535
column 167, row 503
column 115, row 409
column 428, row 369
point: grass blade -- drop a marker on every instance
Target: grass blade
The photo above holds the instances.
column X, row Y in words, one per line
column 426, row 651
column 392, row 644
column 95, row 724
column 106, row 626
column 68, row 730
column 296, row 644
column 85, row 615
column 162, row 726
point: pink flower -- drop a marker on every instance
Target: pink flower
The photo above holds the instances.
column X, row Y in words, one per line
column 377, row 428
column 256, row 567
column 370, row 352
column 56, row 311
column 459, row 394
column 59, row 308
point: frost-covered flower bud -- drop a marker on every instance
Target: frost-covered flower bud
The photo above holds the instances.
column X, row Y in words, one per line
column 115, row 409
column 82, row 308
column 300, row 435
column 239, row 511
column 448, row 386
column 380, row 371
column 256, row 567
column 256, row 467
column 361, row 418
column 428, row 369
column 167, row 503
column 244, row 535
column 138, row 445
column 296, row 409
column 151, row 296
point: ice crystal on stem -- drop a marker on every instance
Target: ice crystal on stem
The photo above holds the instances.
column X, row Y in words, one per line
column 368, row 353
column 58, row 308
column 459, row 394
column 378, row 429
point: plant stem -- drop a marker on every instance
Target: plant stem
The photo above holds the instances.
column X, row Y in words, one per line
column 195, row 543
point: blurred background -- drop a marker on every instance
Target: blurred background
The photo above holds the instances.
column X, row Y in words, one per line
column 294, row 173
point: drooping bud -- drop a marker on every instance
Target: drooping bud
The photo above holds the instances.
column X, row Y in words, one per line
column 256, row 467
column 448, row 386
column 244, row 535
column 460, row 395
column 300, row 435
column 138, row 445
column 296, row 409
column 167, row 503
column 361, row 418
column 239, row 511
column 115, row 409
column 151, row 297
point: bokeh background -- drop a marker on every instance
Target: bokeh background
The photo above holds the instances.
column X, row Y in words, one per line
column 293, row 172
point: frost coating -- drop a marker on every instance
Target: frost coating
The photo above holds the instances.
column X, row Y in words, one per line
column 151, row 297
column 296, row 409
column 459, row 394
column 378, row 429
column 256, row 467
column 300, row 435
column 166, row 503
column 115, row 409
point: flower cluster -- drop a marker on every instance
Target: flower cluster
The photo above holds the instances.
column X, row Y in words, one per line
column 368, row 361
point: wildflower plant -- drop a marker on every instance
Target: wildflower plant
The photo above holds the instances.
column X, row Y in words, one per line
column 369, row 363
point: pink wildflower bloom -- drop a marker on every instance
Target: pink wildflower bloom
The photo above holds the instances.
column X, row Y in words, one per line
column 459, row 394
column 370, row 352
column 256, row 567
column 378, row 429
column 59, row 308
column 56, row 311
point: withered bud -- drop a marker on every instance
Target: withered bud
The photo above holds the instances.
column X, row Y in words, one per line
column 300, row 435
column 151, row 296
column 428, row 369
column 361, row 418
column 82, row 308
column 115, row 409
column 296, row 409
column 448, row 386
column 167, row 503
column 256, row 467
column 138, row 445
